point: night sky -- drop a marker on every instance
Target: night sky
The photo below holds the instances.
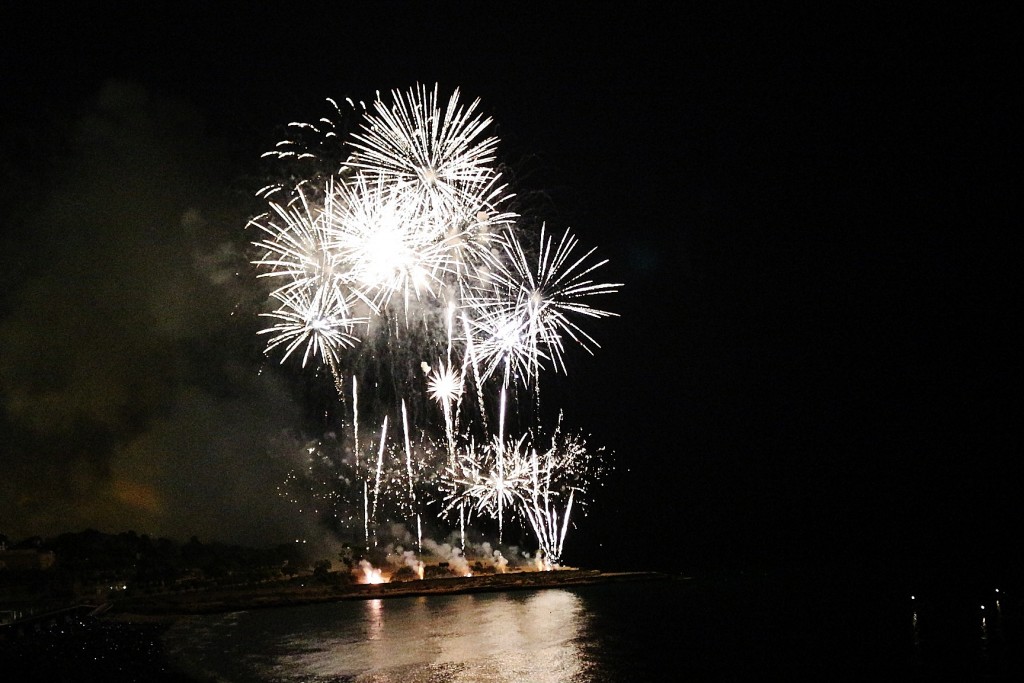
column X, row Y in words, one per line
column 814, row 217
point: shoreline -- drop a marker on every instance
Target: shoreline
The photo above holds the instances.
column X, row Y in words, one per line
column 213, row 601
column 122, row 640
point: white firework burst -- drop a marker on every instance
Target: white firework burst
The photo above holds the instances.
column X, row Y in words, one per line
column 490, row 479
column 501, row 339
column 528, row 314
column 313, row 318
column 559, row 477
column 397, row 235
column 314, row 151
column 438, row 158
column 385, row 243
column 299, row 249
column 445, row 385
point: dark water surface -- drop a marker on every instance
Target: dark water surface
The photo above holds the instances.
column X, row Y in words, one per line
column 744, row 626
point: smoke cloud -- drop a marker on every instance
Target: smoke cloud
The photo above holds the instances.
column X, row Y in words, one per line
column 132, row 391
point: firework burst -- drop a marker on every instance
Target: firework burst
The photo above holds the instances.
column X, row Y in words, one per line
column 445, row 386
column 312, row 318
column 438, row 159
column 393, row 248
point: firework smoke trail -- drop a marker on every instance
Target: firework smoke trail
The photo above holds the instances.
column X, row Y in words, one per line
column 446, row 387
column 501, row 462
column 355, row 418
column 408, row 453
column 388, row 234
column 380, row 466
column 366, row 513
column 471, row 359
column 412, row 493
column 462, row 526
column 355, row 448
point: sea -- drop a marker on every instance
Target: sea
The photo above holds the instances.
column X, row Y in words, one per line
column 743, row 626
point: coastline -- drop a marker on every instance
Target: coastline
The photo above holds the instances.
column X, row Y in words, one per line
column 309, row 591
column 123, row 640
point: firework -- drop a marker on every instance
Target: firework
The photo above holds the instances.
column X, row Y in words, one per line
column 313, row 318
column 446, row 385
column 391, row 250
column 527, row 316
column 557, row 475
column 437, row 160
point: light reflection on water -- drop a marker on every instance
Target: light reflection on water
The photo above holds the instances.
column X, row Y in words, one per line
column 729, row 628
column 474, row 637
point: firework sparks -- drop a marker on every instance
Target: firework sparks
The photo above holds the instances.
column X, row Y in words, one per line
column 529, row 313
column 556, row 476
column 314, row 319
column 437, row 159
column 491, row 478
column 394, row 247
column 445, row 386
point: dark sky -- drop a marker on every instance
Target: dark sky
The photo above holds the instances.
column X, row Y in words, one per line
column 813, row 215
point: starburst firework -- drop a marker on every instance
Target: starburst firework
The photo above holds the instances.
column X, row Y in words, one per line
column 539, row 298
column 394, row 248
column 437, row 159
column 445, row 386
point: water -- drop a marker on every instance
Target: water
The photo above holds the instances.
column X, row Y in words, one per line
column 744, row 627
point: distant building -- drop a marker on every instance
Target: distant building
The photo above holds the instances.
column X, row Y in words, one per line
column 26, row 560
